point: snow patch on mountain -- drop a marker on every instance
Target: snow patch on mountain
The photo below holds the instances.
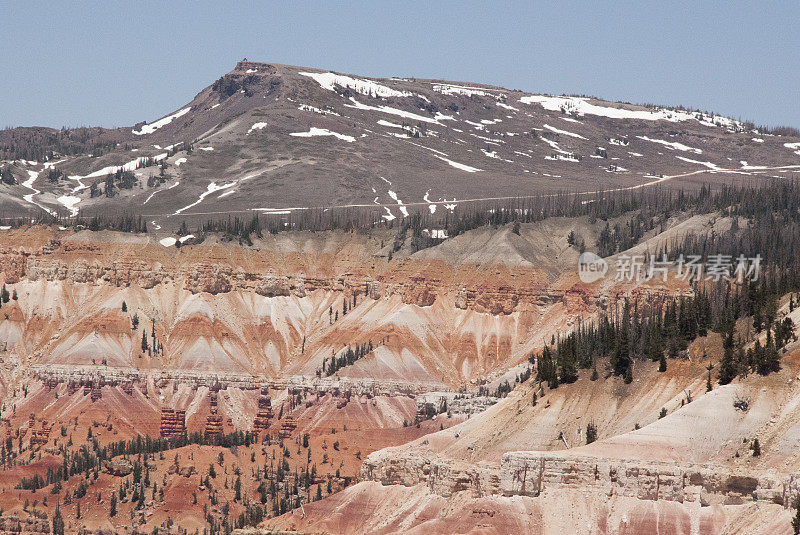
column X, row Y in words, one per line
column 400, row 206
column 313, row 132
column 111, row 169
column 564, row 132
column 388, row 216
column 710, row 165
column 309, row 107
column 569, row 157
column 212, row 188
column 160, row 190
column 393, row 111
column 152, row 127
column 391, row 125
column 581, row 106
column 674, row 145
column 457, row 165
column 554, row 145
column 329, row 81
column 749, row 167
column 32, row 176
column 507, row 106
column 493, row 154
column 793, row 146
column 452, row 89
column 70, row 202
column 257, row 126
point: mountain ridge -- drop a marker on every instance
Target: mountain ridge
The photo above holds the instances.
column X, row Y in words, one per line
column 268, row 139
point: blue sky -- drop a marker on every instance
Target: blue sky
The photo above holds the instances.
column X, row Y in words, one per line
column 114, row 63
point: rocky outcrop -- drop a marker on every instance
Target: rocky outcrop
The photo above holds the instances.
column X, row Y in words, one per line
column 118, row 273
column 12, row 264
column 185, row 471
column 264, row 415
column 118, row 467
column 87, row 375
column 374, row 290
column 502, row 301
column 214, row 420
column 443, row 476
column 30, row 524
column 272, row 286
column 211, row 278
column 422, row 296
column 454, row 402
column 532, row 474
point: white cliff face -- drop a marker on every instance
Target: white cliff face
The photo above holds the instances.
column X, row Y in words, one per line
column 536, row 474
column 443, row 476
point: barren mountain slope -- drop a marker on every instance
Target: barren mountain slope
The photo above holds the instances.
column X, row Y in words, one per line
column 268, row 136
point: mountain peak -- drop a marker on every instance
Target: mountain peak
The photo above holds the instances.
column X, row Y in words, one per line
column 267, row 137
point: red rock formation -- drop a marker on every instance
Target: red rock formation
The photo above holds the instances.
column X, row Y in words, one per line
column 288, row 426
column 264, row 415
column 214, row 420
column 421, row 292
column 173, row 422
column 97, row 393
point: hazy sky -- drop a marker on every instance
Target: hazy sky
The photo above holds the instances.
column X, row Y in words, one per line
column 114, row 64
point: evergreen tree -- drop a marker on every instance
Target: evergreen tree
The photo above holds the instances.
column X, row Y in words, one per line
column 728, row 369
column 621, row 360
column 591, row 433
column 58, row 522
column 7, row 177
column 568, row 372
column 546, row 368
